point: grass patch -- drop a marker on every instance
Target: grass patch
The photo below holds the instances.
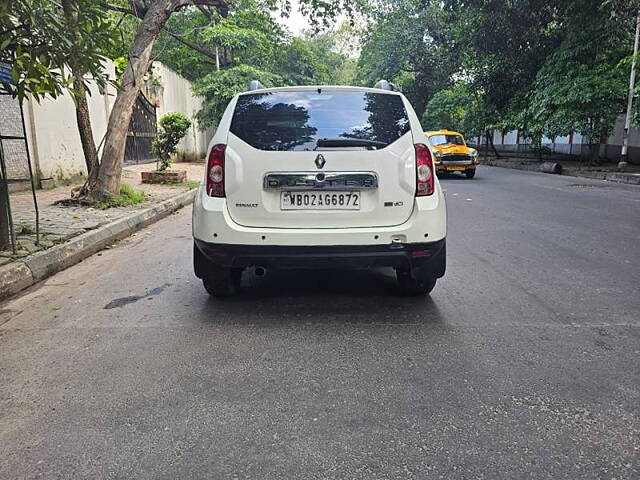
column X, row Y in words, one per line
column 128, row 196
column 189, row 184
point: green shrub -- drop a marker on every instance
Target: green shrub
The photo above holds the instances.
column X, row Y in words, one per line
column 173, row 127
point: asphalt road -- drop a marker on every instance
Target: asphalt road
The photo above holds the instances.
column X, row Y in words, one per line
column 524, row 363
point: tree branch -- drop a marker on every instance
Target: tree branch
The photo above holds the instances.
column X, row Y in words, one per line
column 205, row 12
column 119, row 9
column 139, row 10
column 193, row 46
column 180, row 38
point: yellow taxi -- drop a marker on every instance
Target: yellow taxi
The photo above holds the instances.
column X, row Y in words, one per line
column 451, row 153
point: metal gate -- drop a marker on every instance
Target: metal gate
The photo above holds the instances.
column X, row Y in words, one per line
column 142, row 131
column 15, row 164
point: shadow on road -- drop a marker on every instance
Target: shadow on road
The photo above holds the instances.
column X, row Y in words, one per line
column 321, row 296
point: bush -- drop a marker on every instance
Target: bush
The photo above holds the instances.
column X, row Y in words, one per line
column 174, row 127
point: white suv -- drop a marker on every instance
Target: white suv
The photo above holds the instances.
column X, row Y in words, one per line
column 319, row 177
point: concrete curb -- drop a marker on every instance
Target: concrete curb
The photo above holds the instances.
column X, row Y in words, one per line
column 627, row 178
column 23, row 273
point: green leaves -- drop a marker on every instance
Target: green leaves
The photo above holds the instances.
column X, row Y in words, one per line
column 37, row 39
column 546, row 67
column 412, row 46
column 453, row 109
column 581, row 86
column 251, row 45
column 228, row 35
column 219, row 87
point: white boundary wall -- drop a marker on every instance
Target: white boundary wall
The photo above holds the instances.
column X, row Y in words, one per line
column 54, row 141
column 176, row 95
column 53, row 135
column 574, row 144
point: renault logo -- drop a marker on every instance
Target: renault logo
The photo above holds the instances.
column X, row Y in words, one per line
column 320, row 161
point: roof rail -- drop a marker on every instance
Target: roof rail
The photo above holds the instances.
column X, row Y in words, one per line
column 255, row 85
column 384, row 85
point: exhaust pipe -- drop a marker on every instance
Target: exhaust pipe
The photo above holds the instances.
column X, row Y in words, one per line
column 261, row 271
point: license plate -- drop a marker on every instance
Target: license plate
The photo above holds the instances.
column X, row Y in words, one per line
column 321, row 200
column 455, row 168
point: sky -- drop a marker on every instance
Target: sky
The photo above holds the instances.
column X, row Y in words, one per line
column 296, row 22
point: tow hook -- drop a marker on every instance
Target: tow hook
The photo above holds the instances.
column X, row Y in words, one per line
column 397, row 241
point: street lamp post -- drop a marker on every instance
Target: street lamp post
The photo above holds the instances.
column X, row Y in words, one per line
column 632, row 80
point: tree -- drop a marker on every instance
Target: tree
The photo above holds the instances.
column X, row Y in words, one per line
column 410, row 44
column 58, row 48
column 333, row 50
column 88, row 31
column 455, row 109
column 581, row 87
column 154, row 15
column 174, row 127
column 54, row 49
column 252, row 45
column 36, row 40
column 218, row 88
column 502, row 45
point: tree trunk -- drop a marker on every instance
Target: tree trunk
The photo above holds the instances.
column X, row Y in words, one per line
column 82, row 107
column 486, row 146
column 595, row 154
column 84, row 128
column 493, row 147
column 107, row 182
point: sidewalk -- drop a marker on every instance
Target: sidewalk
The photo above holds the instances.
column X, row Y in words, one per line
column 606, row 171
column 58, row 224
column 68, row 234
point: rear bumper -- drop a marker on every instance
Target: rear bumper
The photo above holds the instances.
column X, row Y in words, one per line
column 455, row 166
column 427, row 258
column 212, row 223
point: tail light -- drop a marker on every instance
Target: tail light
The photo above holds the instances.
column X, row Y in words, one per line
column 425, row 182
column 215, row 171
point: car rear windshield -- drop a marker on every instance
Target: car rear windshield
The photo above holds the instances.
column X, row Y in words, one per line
column 446, row 139
column 312, row 120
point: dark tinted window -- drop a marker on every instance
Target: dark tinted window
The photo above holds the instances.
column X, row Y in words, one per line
column 298, row 120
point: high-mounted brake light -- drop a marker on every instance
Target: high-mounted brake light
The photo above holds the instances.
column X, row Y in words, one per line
column 215, row 171
column 425, row 182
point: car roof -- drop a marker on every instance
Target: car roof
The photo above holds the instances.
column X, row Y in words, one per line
column 442, row 132
column 303, row 88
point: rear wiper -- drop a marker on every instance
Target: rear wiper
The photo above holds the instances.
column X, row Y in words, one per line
column 348, row 142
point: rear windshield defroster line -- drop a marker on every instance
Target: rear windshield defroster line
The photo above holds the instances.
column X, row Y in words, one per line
column 308, row 120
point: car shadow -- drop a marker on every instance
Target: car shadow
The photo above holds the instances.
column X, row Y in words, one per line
column 323, row 296
column 452, row 176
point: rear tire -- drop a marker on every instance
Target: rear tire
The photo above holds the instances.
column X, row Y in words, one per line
column 218, row 281
column 222, row 282
column 470, row 173
column 413, row 286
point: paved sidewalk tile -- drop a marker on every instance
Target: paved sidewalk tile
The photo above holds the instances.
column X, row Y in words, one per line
column 58, row 224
